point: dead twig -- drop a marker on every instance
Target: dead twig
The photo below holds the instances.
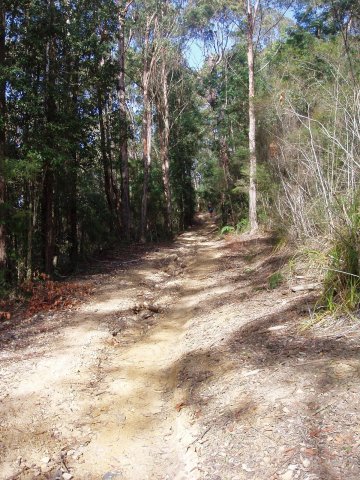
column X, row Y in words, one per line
column 321, row 409
column 64, row 462
column 17, row 475
column 198, row 438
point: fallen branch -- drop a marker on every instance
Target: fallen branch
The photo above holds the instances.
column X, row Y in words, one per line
column 302, row 288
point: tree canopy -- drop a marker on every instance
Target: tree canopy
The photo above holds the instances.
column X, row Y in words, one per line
column 109, row 134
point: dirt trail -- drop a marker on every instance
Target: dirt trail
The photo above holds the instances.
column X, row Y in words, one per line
column 100, row 397
column 183, row 365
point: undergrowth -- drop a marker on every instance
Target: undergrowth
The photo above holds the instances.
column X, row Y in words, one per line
column 275, row 280
column 227, row 229
column 339, row 263
column 342, row 280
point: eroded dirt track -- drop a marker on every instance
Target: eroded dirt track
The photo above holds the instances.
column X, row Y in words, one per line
column 183, row 365
column 97, row 396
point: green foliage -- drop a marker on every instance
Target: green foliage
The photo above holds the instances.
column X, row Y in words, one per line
column 27, row 168
column 185, row 144
column 342, row 281
column 326, row 19
column 227, row 230
column 220, row 167
column 61, row 76
column 243, row 225
column 275, row 280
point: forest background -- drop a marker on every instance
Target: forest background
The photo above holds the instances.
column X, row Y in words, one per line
column 109, row 134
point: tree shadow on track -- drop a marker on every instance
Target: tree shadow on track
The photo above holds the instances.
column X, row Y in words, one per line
column 289, row 357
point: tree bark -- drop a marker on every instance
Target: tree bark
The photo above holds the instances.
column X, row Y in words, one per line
column 73, row 213
column 252, row 118
column 224, row 164
column 146, row 140
column 2, row 142
column 124, row 128
column 73, row 170
column 114, row 186
column 31, row 228
column 48, row 182
column 164, row 127
column 106, row 164
column 146, row 130
column 48, row 219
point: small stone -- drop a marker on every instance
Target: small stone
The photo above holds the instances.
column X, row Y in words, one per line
column 247, row 469
column 251, row 373
column 56, row 475
column 306, row 462
column 67, row 476
column 287, row 475
column 112, row 476
column 45, row 460
column 277, row 327
column 46, row 468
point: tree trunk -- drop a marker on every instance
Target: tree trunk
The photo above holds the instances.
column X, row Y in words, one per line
column 164, row 125
column 252, row 121
column 31, row 228
column 2, row 143
column 226, row 202
column 73, row 213
column 48, row 183
column 48, row 219
column 146, row 139
column 106, row 164
column 114, row 188
column 146, row 130
column 73, row 170
column 124, row 155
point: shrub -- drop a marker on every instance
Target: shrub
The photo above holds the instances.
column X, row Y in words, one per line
column 342, row 280
column 275, row 280
column 227, row 229
column 242, row 226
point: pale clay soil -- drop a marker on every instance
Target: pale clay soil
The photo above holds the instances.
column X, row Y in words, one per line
column 182, row 365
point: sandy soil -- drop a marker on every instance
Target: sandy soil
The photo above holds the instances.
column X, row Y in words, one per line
column 182, row 365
